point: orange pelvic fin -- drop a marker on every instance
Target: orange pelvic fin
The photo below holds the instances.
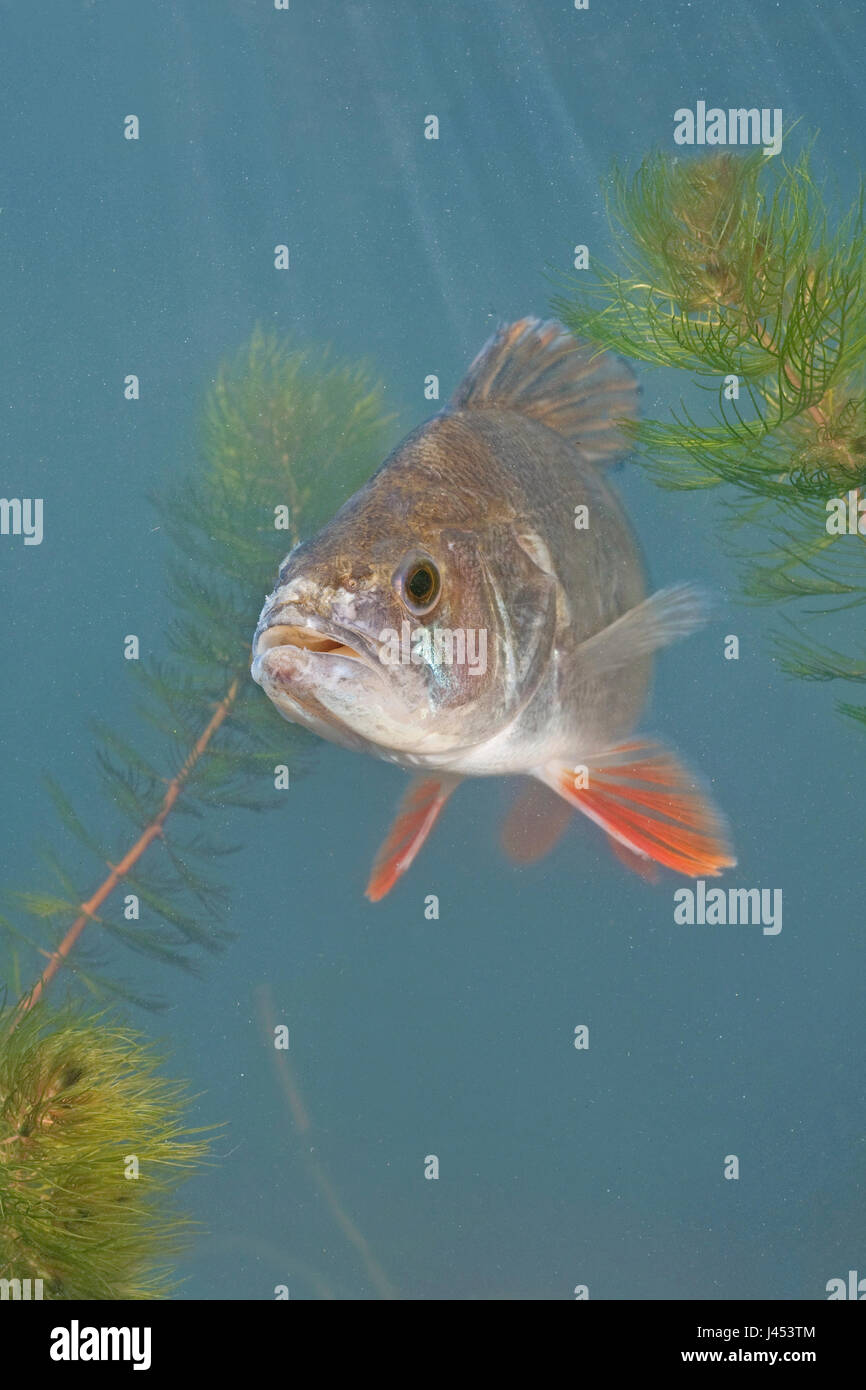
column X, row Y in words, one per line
column 416, row 816
column 650, row 805
column 536, row 822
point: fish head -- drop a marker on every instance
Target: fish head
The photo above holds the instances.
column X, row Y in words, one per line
column 407, row 626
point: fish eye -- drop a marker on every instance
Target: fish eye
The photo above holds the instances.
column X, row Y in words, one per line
column 418, row 583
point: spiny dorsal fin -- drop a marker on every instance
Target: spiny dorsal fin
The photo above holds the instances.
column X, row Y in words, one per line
column 575, row 388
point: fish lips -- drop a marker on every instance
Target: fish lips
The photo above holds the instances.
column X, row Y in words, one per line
column 292, row 647
column 317, row 673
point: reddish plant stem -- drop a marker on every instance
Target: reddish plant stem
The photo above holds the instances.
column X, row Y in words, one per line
column 355, row 1237
column 152, row 832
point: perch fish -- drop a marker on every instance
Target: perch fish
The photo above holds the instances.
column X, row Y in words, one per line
column 478, row 608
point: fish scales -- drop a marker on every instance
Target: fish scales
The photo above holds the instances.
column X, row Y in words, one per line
column 479, row 608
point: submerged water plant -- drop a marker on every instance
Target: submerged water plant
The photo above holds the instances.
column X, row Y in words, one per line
column 736, row 271
column 93, row 1145
column 92, row 1138
column 286, row 436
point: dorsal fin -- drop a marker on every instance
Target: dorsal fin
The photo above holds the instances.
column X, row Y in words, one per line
column 575, row 388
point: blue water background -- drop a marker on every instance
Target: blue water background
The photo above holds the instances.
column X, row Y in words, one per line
column 411, row 1037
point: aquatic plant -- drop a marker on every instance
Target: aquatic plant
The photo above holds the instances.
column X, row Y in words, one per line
column 735, row 270
column 303, row 1126
column 286, row 436
column 92, row 1139
column 92, row 1147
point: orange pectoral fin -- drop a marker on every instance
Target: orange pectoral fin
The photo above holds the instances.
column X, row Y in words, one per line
column 417, row 814
column 646, row 801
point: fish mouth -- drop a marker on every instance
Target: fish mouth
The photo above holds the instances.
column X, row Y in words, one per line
column 293, row 633
column 315, row 671
column 307, row 638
